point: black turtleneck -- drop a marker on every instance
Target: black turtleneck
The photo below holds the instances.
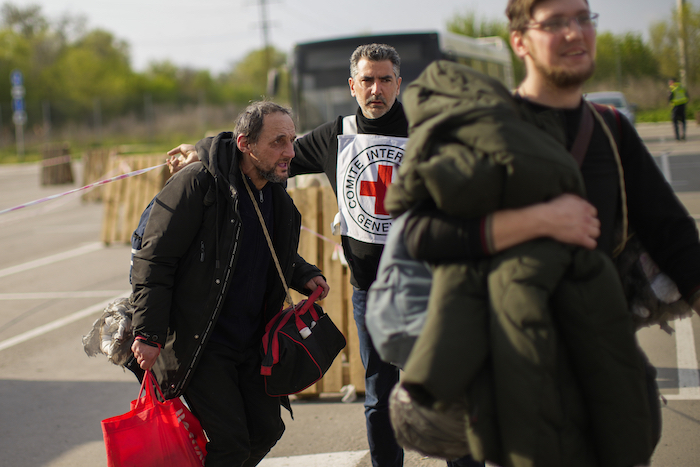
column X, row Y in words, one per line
column 392, row 123
column 317, row 152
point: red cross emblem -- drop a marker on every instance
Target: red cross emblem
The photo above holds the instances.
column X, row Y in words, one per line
column 378, row 189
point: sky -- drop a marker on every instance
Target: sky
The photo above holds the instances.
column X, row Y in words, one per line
column 214, row 34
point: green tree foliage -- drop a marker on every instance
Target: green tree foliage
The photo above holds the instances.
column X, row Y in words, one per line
column 622, row 57
column 62, row 64
column 79, row 72
column 94, row 67
column 247, row 80
column 664, row 43
column 27, row 22
column 469, row 25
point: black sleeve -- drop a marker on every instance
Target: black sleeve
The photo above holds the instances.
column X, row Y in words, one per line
column 435, row 237
column 303, row 273
column 173, row 224
column 663, row 224
column 313, row 151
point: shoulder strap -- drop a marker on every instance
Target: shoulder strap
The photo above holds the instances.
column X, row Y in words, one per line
column 350, row 125
column 288, row 297
column 583, row 138
column 599, row 111
column 603, row 109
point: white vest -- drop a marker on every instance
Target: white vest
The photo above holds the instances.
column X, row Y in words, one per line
column 367, row 165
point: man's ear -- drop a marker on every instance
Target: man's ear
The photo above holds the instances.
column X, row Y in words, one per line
column 351, row 83
column 517, row 42
column 242, row 143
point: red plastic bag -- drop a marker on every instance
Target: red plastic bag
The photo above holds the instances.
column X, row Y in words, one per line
column 154, row 433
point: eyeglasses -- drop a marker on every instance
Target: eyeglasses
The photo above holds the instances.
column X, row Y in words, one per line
column 560, row 23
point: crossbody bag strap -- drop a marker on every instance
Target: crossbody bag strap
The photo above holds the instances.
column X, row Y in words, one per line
column 583, row 138
column 595, row 110
column 288, row 297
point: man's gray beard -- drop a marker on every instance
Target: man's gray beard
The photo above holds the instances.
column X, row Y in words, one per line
column 564, row 79
column 271, row 175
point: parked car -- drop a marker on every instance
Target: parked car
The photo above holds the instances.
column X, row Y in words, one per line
column 614, row 99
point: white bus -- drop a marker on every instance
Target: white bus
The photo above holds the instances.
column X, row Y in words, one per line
column 320, row 70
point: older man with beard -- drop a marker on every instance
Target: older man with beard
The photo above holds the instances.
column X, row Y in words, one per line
column 204, row 283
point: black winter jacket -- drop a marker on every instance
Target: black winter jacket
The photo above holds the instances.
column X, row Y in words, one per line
column 181, row 275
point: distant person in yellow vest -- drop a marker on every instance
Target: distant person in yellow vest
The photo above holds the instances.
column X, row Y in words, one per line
column 678, row 97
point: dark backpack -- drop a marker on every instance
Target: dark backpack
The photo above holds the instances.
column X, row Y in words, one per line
column 137, row 235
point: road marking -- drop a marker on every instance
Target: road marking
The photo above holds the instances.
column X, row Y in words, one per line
column 89, row 248
column 329, row 459
column 687, row 358
column 58, row 295
column 41, row 330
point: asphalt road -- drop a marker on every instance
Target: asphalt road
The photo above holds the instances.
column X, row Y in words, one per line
column 55, row 278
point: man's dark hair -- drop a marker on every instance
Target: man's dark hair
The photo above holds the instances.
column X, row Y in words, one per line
column 375, row 53
column 519, row 13
column 250, row 121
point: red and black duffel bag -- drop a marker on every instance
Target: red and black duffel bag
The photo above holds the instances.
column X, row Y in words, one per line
column 299, row 345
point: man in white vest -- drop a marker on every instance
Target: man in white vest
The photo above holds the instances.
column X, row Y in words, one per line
column 360, row 154
column 360, row 177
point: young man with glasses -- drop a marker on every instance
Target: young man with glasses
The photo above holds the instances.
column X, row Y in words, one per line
column 557, row 41
column 624, row 190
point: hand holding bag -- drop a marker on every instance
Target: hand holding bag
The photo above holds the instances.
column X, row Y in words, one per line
column 299, row 345
column 154, row 433
column 300, row 342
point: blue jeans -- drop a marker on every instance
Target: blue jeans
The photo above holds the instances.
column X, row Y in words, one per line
column 380, row 378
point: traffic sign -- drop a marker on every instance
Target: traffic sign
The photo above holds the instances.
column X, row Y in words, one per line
column 16, row 78
column 18, row 105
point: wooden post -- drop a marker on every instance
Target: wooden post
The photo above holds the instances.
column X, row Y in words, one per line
column 56, row 165
column 94, row 169
column 126, row 199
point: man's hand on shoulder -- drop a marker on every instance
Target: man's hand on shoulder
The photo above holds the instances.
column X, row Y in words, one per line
column 181, row 156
